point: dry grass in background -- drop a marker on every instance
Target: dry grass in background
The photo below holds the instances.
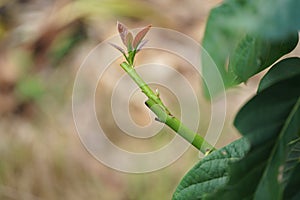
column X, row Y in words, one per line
column 42, row 45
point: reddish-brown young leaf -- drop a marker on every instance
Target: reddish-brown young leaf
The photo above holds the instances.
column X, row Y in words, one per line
column 139, row 37
column 140, row 46
column 119, row 48
column 123, row 31
column 129, row 39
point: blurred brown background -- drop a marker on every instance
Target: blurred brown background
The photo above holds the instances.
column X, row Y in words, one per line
column 42, row 44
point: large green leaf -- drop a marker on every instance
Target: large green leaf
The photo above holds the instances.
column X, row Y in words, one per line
column 285, row 69
column 271, row 122
column 271, row 18
column 292, row 191
column 219, row 42
column 245, row 37
column 291, row 172
column 254, row 54
column 211, row 172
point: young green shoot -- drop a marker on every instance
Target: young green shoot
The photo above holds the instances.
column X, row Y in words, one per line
column 154, row 103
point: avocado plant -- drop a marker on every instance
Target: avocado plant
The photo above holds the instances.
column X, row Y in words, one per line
column 243, row 38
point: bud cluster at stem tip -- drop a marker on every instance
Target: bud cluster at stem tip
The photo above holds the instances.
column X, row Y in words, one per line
column 133, row 44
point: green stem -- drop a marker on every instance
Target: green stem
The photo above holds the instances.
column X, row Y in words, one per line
column 144, row 86
column 193, row 138
column 163, row 114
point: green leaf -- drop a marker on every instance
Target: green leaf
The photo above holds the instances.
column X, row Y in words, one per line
column 211, row 172
column 270, row 121
column 245, row 37
column 219, row 42
column 292, row 189
column 285, row 69
column 290, row 166
column 271, row 18
column 272, row 178
column 254, row 54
